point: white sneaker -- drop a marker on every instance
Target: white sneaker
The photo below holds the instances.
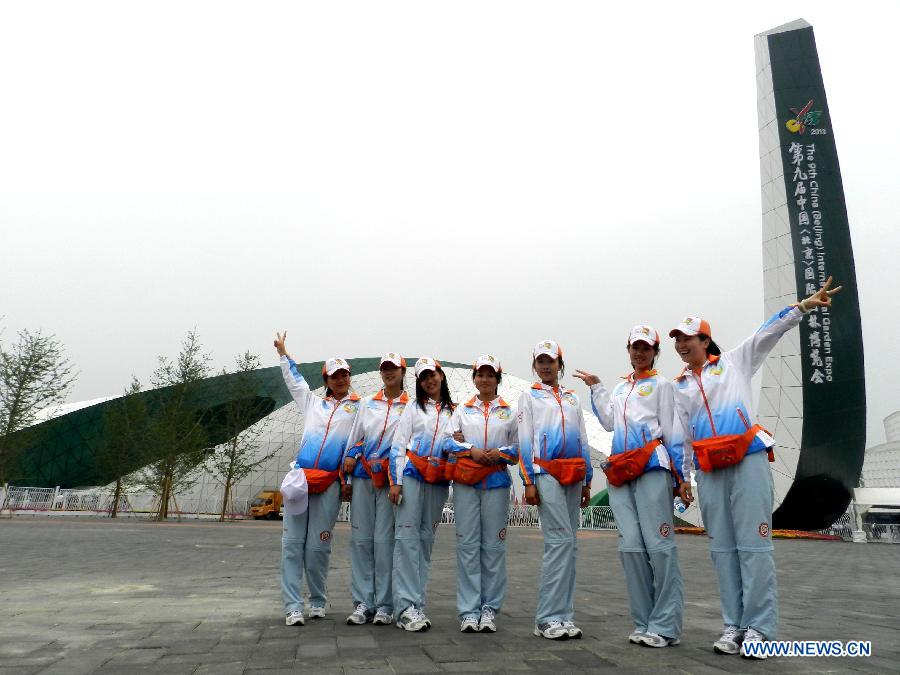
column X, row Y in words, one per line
column 412, row 620
column 425, row 618
column 655, row 640
column 635, row 637
column 755, row 638
column 468, row 625
column 486, row 624
column 730, row 642
column 360, row 615
column 382, row 618
column 294, row 619
column 552, row 630
column 316, row 612
column 573, row 630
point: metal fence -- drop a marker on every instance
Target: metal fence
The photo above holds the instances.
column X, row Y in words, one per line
column 36, row 500
column 522, row 515
column 52, row 499
column 33, row 499
column 879, row 532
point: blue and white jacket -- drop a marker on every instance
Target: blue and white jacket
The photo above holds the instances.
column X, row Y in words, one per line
column 717, row 399
column 373, row 431
column 326, row 421
column 551, row 426
column 421, row 432
column 641, row 409
column 485, row 425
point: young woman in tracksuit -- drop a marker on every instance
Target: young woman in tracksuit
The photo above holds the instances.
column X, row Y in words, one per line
column 640, row 412
column 714, row 401
column 419, row 489
column 482, row 441
column 555, row 463
column 367, row 487
column 306, row 541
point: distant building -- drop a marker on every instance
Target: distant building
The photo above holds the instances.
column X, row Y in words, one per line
column 882, row 465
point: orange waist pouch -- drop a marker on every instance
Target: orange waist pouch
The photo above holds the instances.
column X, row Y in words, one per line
column 469, row 472
column 319, row 480
column 433, row 469
column 566, row 471
column 377, row 470
column 721, row 451
column 627, row 466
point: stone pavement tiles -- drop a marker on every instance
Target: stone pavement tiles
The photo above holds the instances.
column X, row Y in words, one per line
column 127, row 596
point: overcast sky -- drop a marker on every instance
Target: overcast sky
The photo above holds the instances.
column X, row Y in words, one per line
column 445, row 179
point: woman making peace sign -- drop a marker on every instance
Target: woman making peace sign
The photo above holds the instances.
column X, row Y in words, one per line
column 306, row 542
column 714, row 401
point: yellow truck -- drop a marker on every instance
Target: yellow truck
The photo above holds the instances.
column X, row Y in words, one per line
column 267, row 504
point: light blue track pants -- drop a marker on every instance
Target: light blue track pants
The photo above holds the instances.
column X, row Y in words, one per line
column 306, row 547
column 643, row 511
column 481, row 517
column 560, row 512
column 736, row 504
column 415, row 524
column 371, row 546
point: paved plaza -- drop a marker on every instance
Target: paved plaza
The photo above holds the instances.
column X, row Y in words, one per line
column 126, row 596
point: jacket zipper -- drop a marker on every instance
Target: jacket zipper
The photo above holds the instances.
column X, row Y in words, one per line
column 743, row 419
column 563, row 416
column 384, row 428
column 437, row 421
column 327, row 428
column 625, row 415
column 486, row 414
column 712, row 424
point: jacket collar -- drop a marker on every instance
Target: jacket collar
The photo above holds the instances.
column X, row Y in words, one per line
column 631, row 377
column 403, row 398
column 352, row 396
column 559, row 390
column 710, row 361
column 474, row 402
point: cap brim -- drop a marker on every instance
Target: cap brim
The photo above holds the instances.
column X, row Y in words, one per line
column 337, row 370
column 645, row 340
column 676, row 331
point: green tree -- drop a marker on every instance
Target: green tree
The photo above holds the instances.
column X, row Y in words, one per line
column 34, row 373
column 123, row 447
column 239, row 455
column 176, row 435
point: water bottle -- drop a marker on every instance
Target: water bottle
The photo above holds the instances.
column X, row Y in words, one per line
column 680, row 506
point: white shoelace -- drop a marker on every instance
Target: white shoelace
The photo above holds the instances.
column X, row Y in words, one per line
column 487, row 614
column 730, row 633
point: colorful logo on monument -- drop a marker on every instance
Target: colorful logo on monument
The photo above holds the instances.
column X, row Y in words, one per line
column 802, row 118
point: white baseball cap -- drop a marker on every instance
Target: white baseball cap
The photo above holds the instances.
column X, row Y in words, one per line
column 692, row 325
column 333, row 365
column 645, row 334
column 295, row 492
column 548, row 347
column 488, row 360
column 426, row 363
column 396, row 359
